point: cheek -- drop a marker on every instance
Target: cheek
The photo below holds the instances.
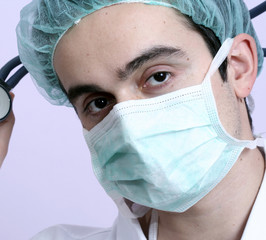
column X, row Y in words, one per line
column 196, row 73
column 85, row 123
column 227, row 106
column 199, row 61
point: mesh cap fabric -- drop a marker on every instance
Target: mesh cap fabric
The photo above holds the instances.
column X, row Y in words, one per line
column 44, row 22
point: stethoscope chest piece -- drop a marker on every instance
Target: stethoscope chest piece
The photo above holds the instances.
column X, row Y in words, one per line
column 5, row 103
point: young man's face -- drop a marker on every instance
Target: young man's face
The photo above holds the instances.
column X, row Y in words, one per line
column 135, row 51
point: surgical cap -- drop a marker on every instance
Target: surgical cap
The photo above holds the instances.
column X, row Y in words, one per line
column 44, row 22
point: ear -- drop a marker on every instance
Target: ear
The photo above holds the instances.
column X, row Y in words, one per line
column 243, row 64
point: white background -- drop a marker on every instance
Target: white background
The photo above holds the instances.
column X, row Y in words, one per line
column 46, row 178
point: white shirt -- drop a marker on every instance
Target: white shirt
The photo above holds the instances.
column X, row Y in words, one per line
column 130, row 229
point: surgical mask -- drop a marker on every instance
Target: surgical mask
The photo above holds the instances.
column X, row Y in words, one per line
column 166, row 152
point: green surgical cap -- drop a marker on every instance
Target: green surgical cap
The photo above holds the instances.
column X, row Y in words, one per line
column 44, row 22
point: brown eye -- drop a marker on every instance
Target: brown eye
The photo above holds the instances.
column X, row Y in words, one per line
column 100, row 102
column 97, row 105
column 158, row 78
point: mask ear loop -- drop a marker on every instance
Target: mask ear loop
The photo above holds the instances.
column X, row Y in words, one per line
column 219, row 58
column 153, row 229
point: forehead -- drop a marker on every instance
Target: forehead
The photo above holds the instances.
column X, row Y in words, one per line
column 122, row 22
column 112, row 36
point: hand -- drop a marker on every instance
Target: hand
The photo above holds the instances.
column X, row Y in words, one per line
column 6, row 128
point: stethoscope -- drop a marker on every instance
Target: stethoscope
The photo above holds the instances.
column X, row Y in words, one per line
column 7, row 84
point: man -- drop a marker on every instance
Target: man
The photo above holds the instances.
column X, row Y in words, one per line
column 183, row 110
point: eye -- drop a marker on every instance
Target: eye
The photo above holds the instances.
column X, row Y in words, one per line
column 97, row 105
column 157, row 79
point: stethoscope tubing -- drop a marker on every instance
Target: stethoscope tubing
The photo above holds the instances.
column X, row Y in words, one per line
column 258, row 10
column 16, row 77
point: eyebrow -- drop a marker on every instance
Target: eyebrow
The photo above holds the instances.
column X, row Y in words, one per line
column 146, row 56
column 77, row 91
column 149, row 55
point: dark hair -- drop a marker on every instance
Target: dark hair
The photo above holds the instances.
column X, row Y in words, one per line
column 213, row 44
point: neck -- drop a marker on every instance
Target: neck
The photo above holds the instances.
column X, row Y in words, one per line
column 223, row 213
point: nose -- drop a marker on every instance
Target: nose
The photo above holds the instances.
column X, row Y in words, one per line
column 126, row 94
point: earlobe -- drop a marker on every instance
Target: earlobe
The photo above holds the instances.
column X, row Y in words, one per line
column 243, row 64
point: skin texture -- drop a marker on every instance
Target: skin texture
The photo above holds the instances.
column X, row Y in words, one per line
column 92, row 56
